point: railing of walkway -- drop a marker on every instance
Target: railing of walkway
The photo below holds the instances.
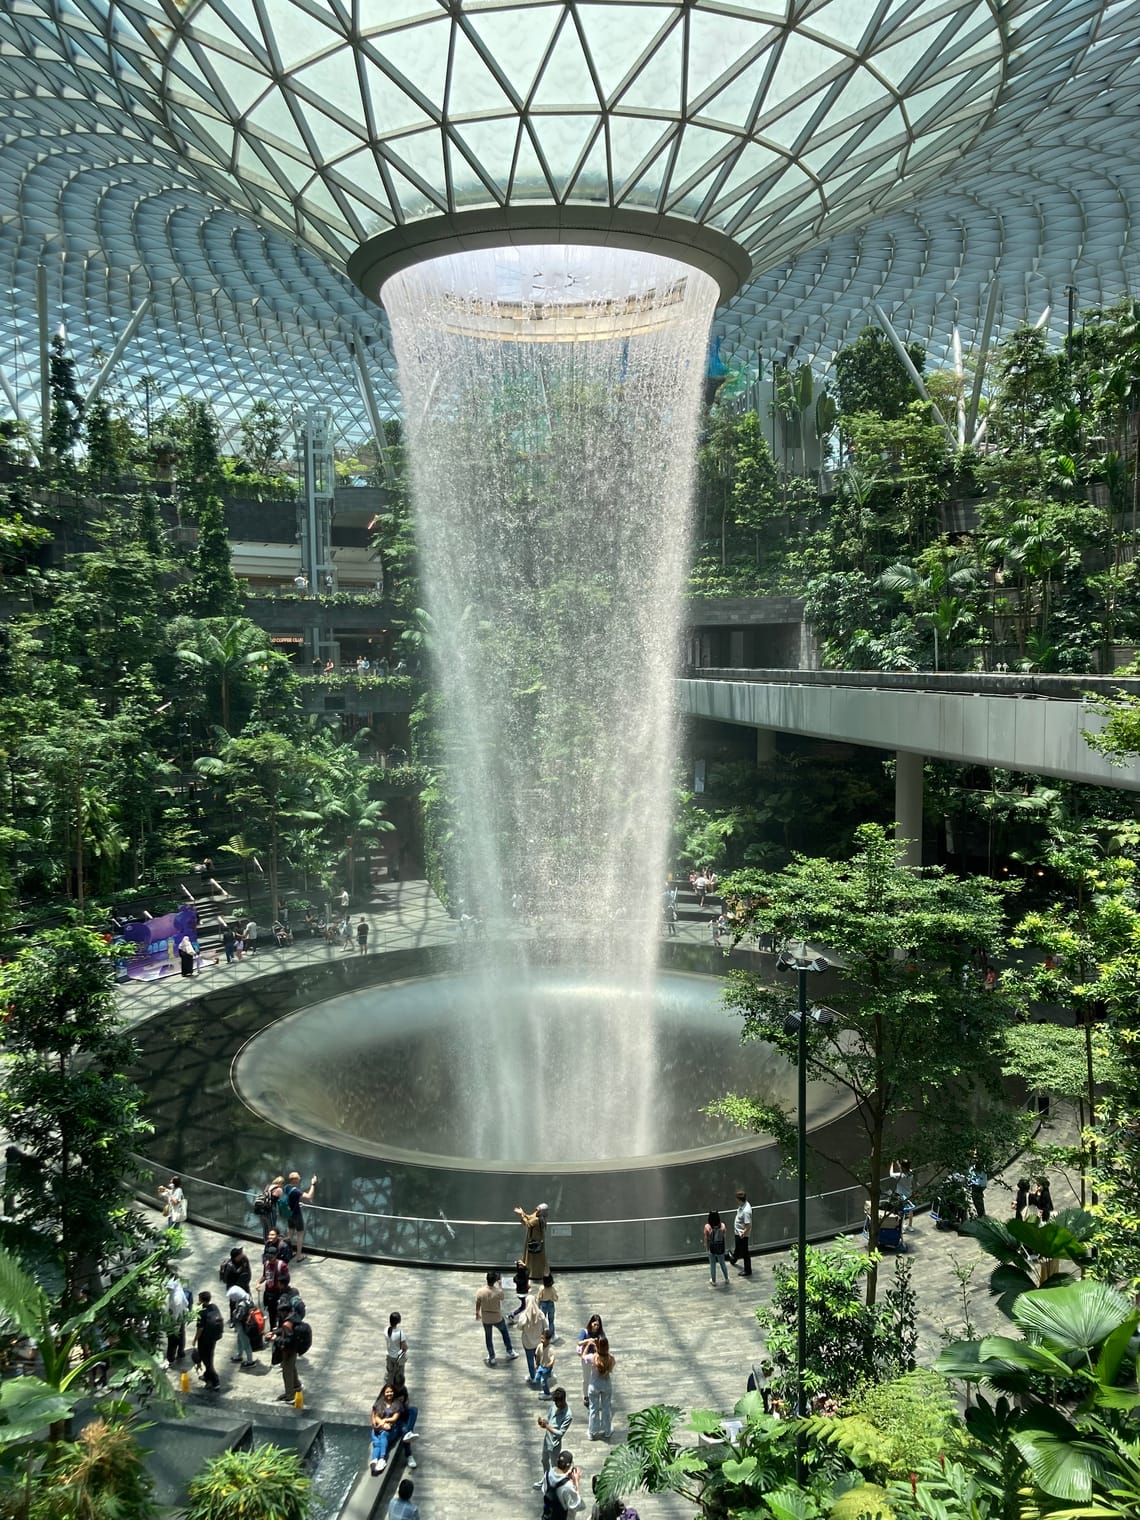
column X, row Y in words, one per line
column 485, row 1243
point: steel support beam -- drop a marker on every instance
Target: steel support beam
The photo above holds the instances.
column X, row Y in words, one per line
column 983, row 356
column 116, row 353
column 45, row 360
column 368, row 396
column 908, row 364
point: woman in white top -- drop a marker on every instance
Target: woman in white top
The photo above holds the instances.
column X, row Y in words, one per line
column 175, row 1201
column 397, row 1350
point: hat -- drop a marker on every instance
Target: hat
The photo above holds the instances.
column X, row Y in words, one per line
column 543, row 1208
column 236, row 1292
column 235, row 1252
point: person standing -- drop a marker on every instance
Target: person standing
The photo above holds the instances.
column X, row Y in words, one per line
column 714, row 1238
column 362, row 936
column 1042, row 1200
column 174, row 1318
column 669, row 910
column 547, row 1299
column 174, row 1204
column 396, row 1350
column 187, row 955
column 554, row 1425
column 1021, row 1198
column 531, row 1325
column 249, row 936
column 489, row 1311
column 285, row 1337
column 401, row 1507
column 206, row 1337
column 599, row 1389
column 235, row 1270
column 587, row 1337
column 534, row 1257
column 294, row 1198
column 343, row 900
column 562, row 1483
column 229, row 940
column 275, row 1279
column 544, row 1363
column 977, row 1182
column 241, row 1307
column 741, row 1233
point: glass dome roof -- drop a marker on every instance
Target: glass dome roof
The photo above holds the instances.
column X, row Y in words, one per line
column 228, row 156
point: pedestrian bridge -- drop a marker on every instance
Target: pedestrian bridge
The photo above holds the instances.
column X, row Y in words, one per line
column 1030, row 723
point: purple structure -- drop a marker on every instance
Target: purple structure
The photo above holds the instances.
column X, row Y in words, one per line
column 154, row 943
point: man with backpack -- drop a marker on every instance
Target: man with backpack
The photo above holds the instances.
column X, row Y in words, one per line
column 206, row 1337
column 235, row 1271
column 275, row 1281
column 249, row 1326
column 293, row 1337
column 560, row 1489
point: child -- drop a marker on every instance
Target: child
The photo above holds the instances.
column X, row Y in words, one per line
column 522, row 1286
column 547, row 1298
column 544, row 1364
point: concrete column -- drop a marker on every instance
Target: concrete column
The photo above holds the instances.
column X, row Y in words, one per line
column 765, row 745
column 908, row 805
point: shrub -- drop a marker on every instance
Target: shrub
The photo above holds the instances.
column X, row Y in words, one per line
column 917, row 1415
column 266, row 1483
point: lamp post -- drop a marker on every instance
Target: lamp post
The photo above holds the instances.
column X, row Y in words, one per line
column 796, row 956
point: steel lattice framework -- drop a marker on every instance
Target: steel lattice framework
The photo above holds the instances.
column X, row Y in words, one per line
column 225, row 157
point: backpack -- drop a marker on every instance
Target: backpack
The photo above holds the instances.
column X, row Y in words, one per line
column 552, row 1508
column 283, row 1209
column 295, row 1308
column 302, row 1336
column 255, row 1320
column 212, row 1322
column 263, row 1204
column 716, row 1240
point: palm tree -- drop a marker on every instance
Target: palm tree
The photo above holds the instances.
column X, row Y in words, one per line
column 935, row 594
column 361, row 817
column 225, row 652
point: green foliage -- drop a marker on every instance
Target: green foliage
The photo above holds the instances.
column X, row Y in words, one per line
column 910, row 1036
column 849, row 1341
column 66, row 419
column 916, row 1416
column 67, row 1108
column 267, row 1483
column 101, row 1476
column 261, row 437
column 871, row 378
column 214, row 591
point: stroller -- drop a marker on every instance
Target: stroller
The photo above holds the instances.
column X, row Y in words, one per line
column 951, row 1206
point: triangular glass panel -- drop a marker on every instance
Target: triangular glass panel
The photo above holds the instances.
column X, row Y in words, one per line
column 472, row 88
column 617, row 36
column 593, row 182
column 844, row 20
column 785, row 131
column 394, row 11
column 410, row 200
column 658, row 87
column 861, row 94
column 332, row 140
column 716, row 43
column 735, row 103
column 419, row 55
column 632, row 141
column 890, row 129
column 234, row 23
column 898, row 60
column 803, row 62
column 699, row 147
column 563, row 140
column 566, row 77
column 330, row 80
column 492, row 145
column 273, row 118
column 467, row 188
column 219, row 133
column 518, row 51
column 359, row 172
column 530, row 182
column 753, row 160
column 318, row 194
column 300, row 36
column 646, row 190
column 924, row 107
column 392, row 110
column 242, row 85
column 694, row 198
column 422, row 153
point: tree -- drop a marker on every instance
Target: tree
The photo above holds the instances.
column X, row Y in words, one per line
column 72, row 1116
column 214, row 590
column 194, row 429
column 104, row 464
column 66, row 420
column 261, row 437
column 915, row 1041
column 870, row 377
column 229, row 655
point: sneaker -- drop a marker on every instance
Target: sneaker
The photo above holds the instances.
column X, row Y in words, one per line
column 411, row 1462
column 712, row 1285
column 512, row 1356
column 378, row 1467
column 412, row 1435
column 490, row 1361
column 236, row 1358
column 374, row 1470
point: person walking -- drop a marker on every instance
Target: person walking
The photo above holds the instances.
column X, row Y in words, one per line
column 489, row 1311
column 362, row 936
column 174, row 1202
column 741, row 1231
column 207, row 1334
column 599, row 1390
column 396, row 1351
column 714, row 1239
column 977, row 1182
column 229, row 940
column 249, row 937
column 547, row 1299
column 544, row 1363
column 531, row 1325
column 174, row 1318
column 554, row 1425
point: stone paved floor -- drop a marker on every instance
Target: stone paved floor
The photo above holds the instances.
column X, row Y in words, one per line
column 675, row 1340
